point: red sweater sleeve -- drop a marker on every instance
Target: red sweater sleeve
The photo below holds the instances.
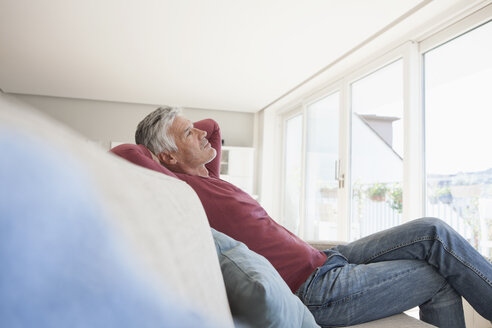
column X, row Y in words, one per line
column 213, row 136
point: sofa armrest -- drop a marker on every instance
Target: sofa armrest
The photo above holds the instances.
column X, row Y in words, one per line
column 325, row 244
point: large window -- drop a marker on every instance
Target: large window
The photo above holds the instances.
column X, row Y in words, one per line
column 377, row 150
column 458, row 135
column 409, row 132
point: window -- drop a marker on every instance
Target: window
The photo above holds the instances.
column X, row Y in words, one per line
column 292, row 173
column 321, row 195
column 377, row 150
column 458, row 101
column 444, row 166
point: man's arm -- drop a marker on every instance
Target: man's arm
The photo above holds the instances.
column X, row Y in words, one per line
column 214, row 137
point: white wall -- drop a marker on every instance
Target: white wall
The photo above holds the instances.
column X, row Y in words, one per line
column 104, row 121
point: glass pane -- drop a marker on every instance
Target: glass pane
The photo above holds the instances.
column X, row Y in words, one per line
column 321, row 157
column 292, row 177
column 377, row 151
column 458, row 102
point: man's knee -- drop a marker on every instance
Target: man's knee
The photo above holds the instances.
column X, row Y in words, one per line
column 434, row 224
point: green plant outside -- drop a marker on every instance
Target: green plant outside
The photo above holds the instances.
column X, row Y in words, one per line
column 377, row 190
column 396, row 198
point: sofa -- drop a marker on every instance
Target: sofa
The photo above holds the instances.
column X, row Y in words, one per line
column 88, row 239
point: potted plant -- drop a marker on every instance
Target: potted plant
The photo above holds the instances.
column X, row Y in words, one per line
column 396, row 199
column 377, row 192
column 444, row 195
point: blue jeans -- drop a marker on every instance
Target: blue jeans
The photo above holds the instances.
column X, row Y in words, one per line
column 421, row 263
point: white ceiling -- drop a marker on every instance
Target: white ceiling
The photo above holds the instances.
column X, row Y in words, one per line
column 217, row 54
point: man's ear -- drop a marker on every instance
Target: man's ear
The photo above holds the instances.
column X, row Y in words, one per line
column 167, row 158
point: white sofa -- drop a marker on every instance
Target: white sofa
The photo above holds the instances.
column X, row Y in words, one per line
column 159, row 219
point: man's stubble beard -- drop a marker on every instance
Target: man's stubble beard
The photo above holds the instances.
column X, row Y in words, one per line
column 212, row 158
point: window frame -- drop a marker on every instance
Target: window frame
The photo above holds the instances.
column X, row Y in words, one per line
column 450, row 33
column 411, row 52
column 293, row 112
column 326, row 92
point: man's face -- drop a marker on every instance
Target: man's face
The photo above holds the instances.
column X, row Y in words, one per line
column 194, row 150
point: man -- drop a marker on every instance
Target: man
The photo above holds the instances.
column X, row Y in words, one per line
column 423, row 262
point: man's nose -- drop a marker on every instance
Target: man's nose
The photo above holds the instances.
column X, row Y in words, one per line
column 201, row 133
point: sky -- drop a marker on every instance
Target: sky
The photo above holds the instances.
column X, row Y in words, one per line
column 458, row 104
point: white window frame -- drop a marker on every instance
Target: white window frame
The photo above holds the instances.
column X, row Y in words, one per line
column 412, row 148
column 463, row 26
column 293, row 112
column 343, row 87
column 323, row 93
column 411, row 52
column 456, row 29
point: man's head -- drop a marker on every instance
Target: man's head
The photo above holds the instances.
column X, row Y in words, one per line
column 176, row 143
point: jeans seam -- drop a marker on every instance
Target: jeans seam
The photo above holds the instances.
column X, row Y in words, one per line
column 303, row 291
column 396, row 247
column 462, row 261
column 353, row 296
column 445, row 283
column 446, row 248
column 306, row 291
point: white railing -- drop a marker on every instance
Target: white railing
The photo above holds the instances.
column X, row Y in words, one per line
column 446, row 213
column 370, row 216
column 467, row 207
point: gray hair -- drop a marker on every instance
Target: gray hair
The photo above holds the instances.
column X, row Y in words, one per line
column 152, row 131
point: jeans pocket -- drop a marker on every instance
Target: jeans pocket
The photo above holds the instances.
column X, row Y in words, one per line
column 321, row 277
column 311, row 281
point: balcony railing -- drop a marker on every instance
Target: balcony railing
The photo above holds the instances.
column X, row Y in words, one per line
column 375, row 207
column 369, row 216
column 378, row 206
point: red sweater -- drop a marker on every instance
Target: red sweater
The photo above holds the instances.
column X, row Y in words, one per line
column 233, row 212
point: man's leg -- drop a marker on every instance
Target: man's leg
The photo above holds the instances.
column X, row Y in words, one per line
column 354, row 294
column 433, row 241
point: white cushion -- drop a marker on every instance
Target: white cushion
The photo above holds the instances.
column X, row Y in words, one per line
column 399, row 321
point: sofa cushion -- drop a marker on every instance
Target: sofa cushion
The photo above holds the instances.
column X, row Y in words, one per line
column 159, row 219
column 62, row 264
column 398, row 320
column 258, row 296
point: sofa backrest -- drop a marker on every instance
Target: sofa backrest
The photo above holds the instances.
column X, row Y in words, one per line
column 159, row 218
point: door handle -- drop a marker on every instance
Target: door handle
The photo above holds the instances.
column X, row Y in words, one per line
column 337, row 170
column 339, row 177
